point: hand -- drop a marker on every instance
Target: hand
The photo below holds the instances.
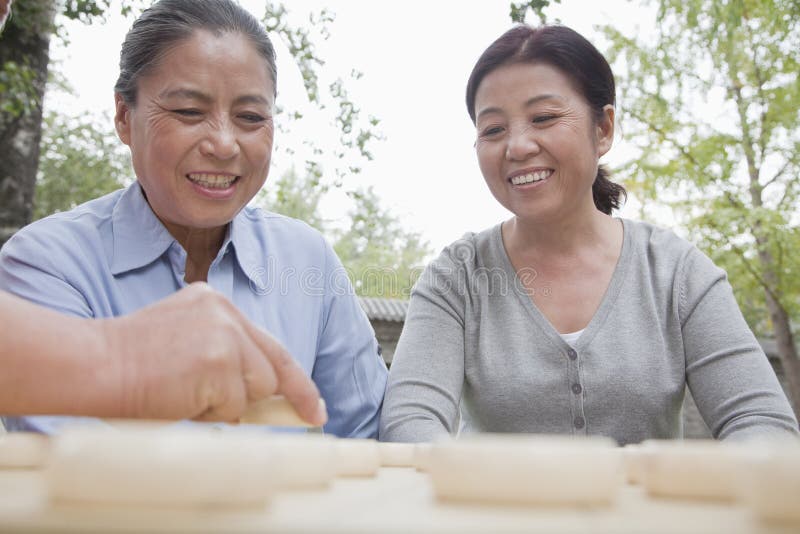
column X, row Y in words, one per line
column 194, row 355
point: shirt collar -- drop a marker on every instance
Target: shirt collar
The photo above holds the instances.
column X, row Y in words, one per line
column 245, row 237
column 140, row 238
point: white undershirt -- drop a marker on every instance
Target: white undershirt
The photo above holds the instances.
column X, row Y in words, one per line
column 572, row 337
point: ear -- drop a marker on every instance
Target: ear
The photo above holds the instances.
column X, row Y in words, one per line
column 122, row 119
column 605, row 130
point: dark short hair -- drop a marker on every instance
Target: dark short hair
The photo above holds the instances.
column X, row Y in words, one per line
column 569, row 52
column 168, row 22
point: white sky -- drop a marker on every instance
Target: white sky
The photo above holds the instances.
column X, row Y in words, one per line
column 415, row 57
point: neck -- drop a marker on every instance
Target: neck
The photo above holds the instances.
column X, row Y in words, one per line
column 201, row 245
column 563, row 237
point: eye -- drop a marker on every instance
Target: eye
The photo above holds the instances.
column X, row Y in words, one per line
column 491, row 131
column 252, row 117
column 540, row 119
column 188, row 112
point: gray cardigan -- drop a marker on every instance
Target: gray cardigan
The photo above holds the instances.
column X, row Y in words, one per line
column 475, row 346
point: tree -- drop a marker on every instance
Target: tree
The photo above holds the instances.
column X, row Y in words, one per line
column 711, row 101
column 519, row 10
column 382, row 259
column 24, row 57
column 80, row 160
column 295, row 196
column 24, row 60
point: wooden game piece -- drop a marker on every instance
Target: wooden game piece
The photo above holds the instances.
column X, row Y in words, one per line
column 526, row 469
column 422, row 456
column 166, row 467
column 396, row 454
column 357, row 457
column 771, row 483
column 302, row 461
column 23, row 450
column 274, row 411
column 697, row 469
column 633, row 459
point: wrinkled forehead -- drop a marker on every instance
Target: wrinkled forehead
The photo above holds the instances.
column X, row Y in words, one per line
column 203, row 46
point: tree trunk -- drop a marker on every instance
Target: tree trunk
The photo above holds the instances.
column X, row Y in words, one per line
column 781, row 327
column 787, row 352
column 25, row 44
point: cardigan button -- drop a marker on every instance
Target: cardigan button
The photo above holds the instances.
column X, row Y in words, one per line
column 572, row 354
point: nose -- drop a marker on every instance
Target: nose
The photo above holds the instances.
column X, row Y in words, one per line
column 521, row 143
column 221, row 141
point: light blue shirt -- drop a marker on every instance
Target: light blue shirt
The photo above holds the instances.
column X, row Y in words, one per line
column 112, row 256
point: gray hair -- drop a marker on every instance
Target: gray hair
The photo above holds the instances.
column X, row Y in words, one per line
column 168, row 22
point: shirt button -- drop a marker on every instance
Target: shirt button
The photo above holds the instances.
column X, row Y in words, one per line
column 576, row 388
column 579, row 422
column 572, row 354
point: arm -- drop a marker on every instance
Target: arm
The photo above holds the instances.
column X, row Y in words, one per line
column 46, row 265
column 348, row 370
column 729, row 375
column 427, row 375
column 143, row 365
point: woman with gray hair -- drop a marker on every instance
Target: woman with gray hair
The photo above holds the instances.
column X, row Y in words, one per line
column 195, row 101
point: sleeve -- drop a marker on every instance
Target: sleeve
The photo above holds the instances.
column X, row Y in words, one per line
column 348, row 370
column 34, row 266
column 427, row 375
column 731, row 380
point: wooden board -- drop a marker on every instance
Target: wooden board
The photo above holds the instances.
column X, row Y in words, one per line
column 395, row 500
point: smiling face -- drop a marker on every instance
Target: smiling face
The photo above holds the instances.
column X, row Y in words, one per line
column 538, row 143
column 201, row 130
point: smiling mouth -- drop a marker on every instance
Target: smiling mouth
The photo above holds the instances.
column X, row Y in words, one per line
column 536, row 176
column 213, row 181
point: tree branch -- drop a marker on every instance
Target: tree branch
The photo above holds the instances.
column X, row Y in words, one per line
column 762, row 142
column 777, row 175
column 665, row 137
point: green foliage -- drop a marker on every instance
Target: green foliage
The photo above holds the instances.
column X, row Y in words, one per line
column 88, row 11
column 519, row 10
column 356, row 131
column 85, row 10
column 18, row 89
column 80, row 160
column 300, row 45
column 712, row 104
column 295, row 196
column 381, row 257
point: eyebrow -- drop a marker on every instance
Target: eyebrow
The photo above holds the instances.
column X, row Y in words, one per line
column 203, row 97
column 528, row 103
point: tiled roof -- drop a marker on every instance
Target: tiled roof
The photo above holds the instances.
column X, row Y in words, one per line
column 378, row 309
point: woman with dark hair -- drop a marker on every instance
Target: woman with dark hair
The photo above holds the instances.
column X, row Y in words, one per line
column 195, row 101
column 564, row 319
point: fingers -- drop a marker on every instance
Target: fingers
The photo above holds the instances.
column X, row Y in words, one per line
column 292, row 381
column 264, row 366
column 259, row 376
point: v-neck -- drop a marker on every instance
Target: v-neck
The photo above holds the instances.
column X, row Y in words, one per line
column 606, row 304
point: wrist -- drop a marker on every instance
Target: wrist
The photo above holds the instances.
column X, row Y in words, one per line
column 106, row 353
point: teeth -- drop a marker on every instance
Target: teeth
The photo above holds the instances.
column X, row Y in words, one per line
column 530, row 177
column 218, row 181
